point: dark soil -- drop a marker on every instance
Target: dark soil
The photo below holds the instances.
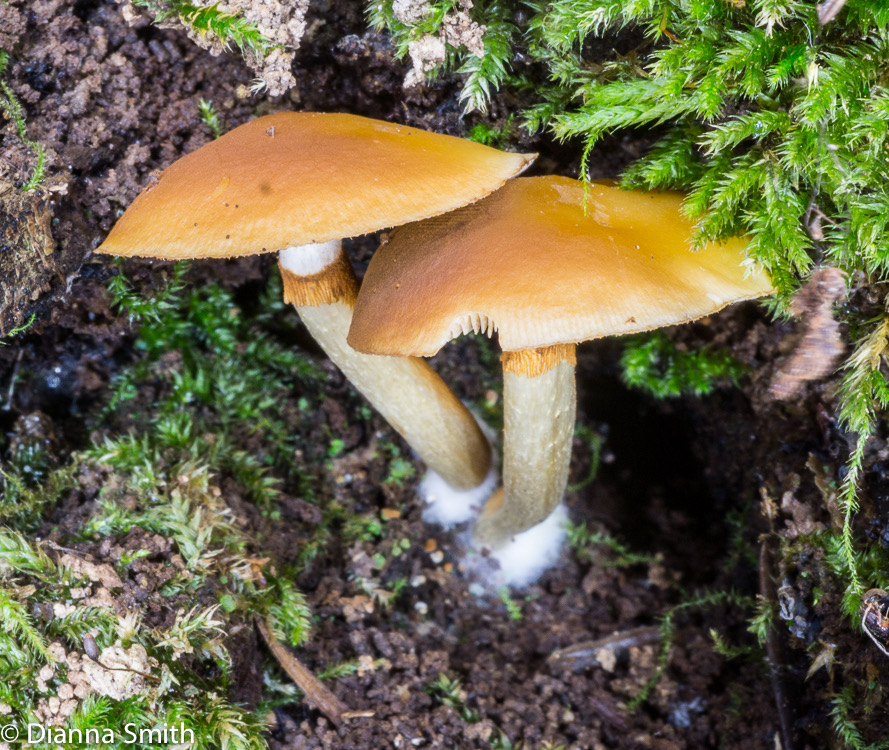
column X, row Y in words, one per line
column 688, row 481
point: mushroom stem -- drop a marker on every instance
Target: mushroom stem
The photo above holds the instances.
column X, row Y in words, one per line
column 320, row 283
column 539, row 405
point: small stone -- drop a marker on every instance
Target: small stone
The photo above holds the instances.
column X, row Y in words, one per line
column 431, row 545
column 67, row 708
column 61, row 610
column 437, row 556
column 607, row 659
column 418, row 580
column 476, row 589
column 390, row 514
column 421, row 607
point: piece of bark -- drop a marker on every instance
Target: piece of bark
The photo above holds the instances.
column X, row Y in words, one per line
column 821, row 345
column 26, row 247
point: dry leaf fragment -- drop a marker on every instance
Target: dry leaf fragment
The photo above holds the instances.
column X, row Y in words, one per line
column 821, row 345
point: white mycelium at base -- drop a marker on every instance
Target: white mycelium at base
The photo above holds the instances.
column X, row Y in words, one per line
column 447, row 507
column 523, row 559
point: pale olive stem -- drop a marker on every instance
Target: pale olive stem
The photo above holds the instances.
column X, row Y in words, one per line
column 406, row 391
column 539, row 403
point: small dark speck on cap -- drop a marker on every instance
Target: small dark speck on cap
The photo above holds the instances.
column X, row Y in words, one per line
column 631, row 320
column 263, row 250
column 236, row 205
column 227, row 236
column 226, row 205
column 195, row 223
column 270, row 132
column 635, row 246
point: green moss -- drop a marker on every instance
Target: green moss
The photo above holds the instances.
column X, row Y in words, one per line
column 12, row 108
column 655, row 364
column 183, row 672
column 584, row 542
column 221, row 380
column 229, row 28
column 668, row 624
column 846, row 704
column 210, row 117
column 767, row 117
column 207, row 381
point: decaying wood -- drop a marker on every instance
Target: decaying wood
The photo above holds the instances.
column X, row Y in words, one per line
column 776, row 660
column 26, row 247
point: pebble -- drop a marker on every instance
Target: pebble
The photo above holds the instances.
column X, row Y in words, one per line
column 421, row 607
column 437, row 556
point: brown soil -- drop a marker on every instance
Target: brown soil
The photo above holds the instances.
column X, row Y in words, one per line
column 686, row 481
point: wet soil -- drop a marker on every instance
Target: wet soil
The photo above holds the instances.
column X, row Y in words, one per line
column 699, row 486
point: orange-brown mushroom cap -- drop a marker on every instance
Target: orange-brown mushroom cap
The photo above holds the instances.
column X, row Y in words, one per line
column 530, row 263
column 297, row 178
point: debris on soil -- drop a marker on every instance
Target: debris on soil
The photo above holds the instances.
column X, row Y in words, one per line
column 27, row 268
column 308, row 504
column 429, row 51
column 278, row 25
column 821, row 346
column 331, row 706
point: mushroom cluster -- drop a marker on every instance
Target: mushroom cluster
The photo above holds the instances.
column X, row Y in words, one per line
column 541, row 261
column 298, row 182
column 545, row 266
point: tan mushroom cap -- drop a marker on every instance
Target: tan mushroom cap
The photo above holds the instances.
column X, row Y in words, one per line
column 528, row 262
column 297, row 178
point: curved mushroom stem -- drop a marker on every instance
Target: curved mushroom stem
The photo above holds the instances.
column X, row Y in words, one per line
column 320, row 283
column 539, row 405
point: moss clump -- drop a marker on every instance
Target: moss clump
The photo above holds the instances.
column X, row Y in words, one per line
column 139, row 614
column 775, row 123
column 655, row 364
column 217, row 379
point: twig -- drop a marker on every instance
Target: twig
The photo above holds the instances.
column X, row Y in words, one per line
column 15, row 371
column 331, row 706
column 775, row 652
column 583, row 655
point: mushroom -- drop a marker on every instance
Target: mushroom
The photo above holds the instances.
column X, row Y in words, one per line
column 546, row 268
column 299, row 182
